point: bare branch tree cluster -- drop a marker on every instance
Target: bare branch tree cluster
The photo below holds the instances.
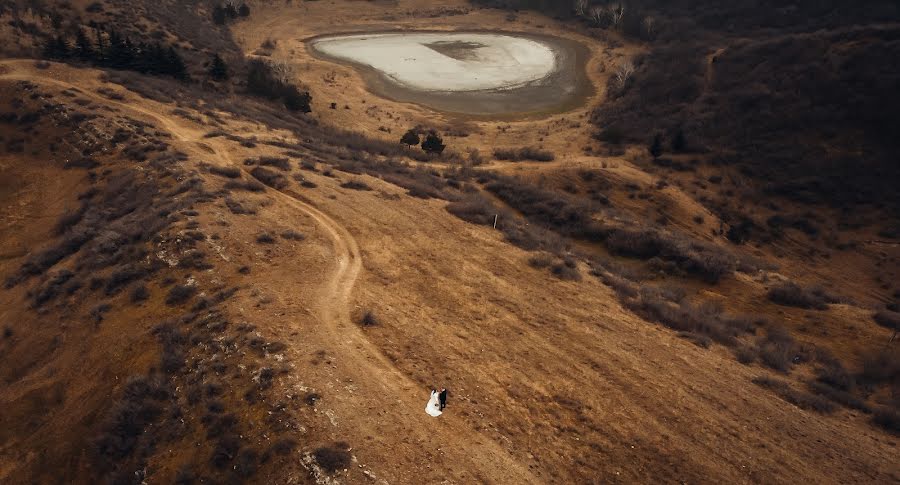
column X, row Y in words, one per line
column 624, row 72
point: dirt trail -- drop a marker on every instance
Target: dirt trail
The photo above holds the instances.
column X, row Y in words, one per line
column 402, row 417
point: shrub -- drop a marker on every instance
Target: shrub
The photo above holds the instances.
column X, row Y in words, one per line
column 881, row 367
column 180, row 294
column 228, row 172
column 745, row 354
column 355, row 185
column 841, row 397
column 368, row 319
column 292, row 235
column 433, row 144
column 888, row 319
column 803, row 400
column 888, row 419
column 278, row 162
column 777, row 349
column 565, row 272
column 265, row 238
column 270, row 178
column 248, row 185
column 525, row 153
column 333, row 458
column 791, row 294
column 410, row 138
column 541, row 261
column 139, row 293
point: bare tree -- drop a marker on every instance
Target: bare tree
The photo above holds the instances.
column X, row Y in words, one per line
column 624, row 72
column 581, row 7
column 616, row 13
column 598, row 14
column 282, row 71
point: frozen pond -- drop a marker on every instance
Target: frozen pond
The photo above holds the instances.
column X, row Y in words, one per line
column 467, row 72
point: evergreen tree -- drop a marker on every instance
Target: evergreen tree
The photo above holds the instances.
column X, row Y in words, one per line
column 57, row 48
column 101, row 49
column 656, row 146
column 410, row 138
column 83, row 48
column 174, row 64
column 244, row 10
column 218, row 70
column 433, row 144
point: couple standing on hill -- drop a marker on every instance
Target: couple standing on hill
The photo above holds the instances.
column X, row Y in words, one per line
column 437, row 402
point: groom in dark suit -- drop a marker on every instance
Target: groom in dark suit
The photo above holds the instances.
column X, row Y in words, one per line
column 442, row 397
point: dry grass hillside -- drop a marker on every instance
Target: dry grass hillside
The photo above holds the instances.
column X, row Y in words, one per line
column 205, row 283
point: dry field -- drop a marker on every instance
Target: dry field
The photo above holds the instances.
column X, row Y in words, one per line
column 348, row 298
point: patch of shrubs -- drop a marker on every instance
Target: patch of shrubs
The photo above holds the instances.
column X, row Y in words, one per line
column 277, row 162
column 270, row 178
column 292, row 235
column 525, row 153
column 792, row 294
column 801, row 399
column 179, row 294
column 692, row 257
column 888, row 419
column 227, row 172
column 670, row 309
column 263, row 81
column 778, row 350
column 355, row 185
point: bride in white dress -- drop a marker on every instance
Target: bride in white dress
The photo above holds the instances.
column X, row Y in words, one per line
column 433, row 408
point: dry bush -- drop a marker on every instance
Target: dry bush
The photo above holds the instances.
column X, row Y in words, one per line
column 525, row 153
column 803, row 400
column 333, row 458
column 179, row 294
column 777, row 349
column 669, row 309
column 887, row 419
column 368, row 319
column 270, row 178
column 356, row 185
column 248, row 185
column 692, row 257
column 265, row 238
column 293, row 235
column 227, row 172
column 792, row 294
column 277, row 162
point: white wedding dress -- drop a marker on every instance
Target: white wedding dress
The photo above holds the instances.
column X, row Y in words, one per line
column 433, row 408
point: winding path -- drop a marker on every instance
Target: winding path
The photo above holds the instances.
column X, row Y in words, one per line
column 401, row 419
